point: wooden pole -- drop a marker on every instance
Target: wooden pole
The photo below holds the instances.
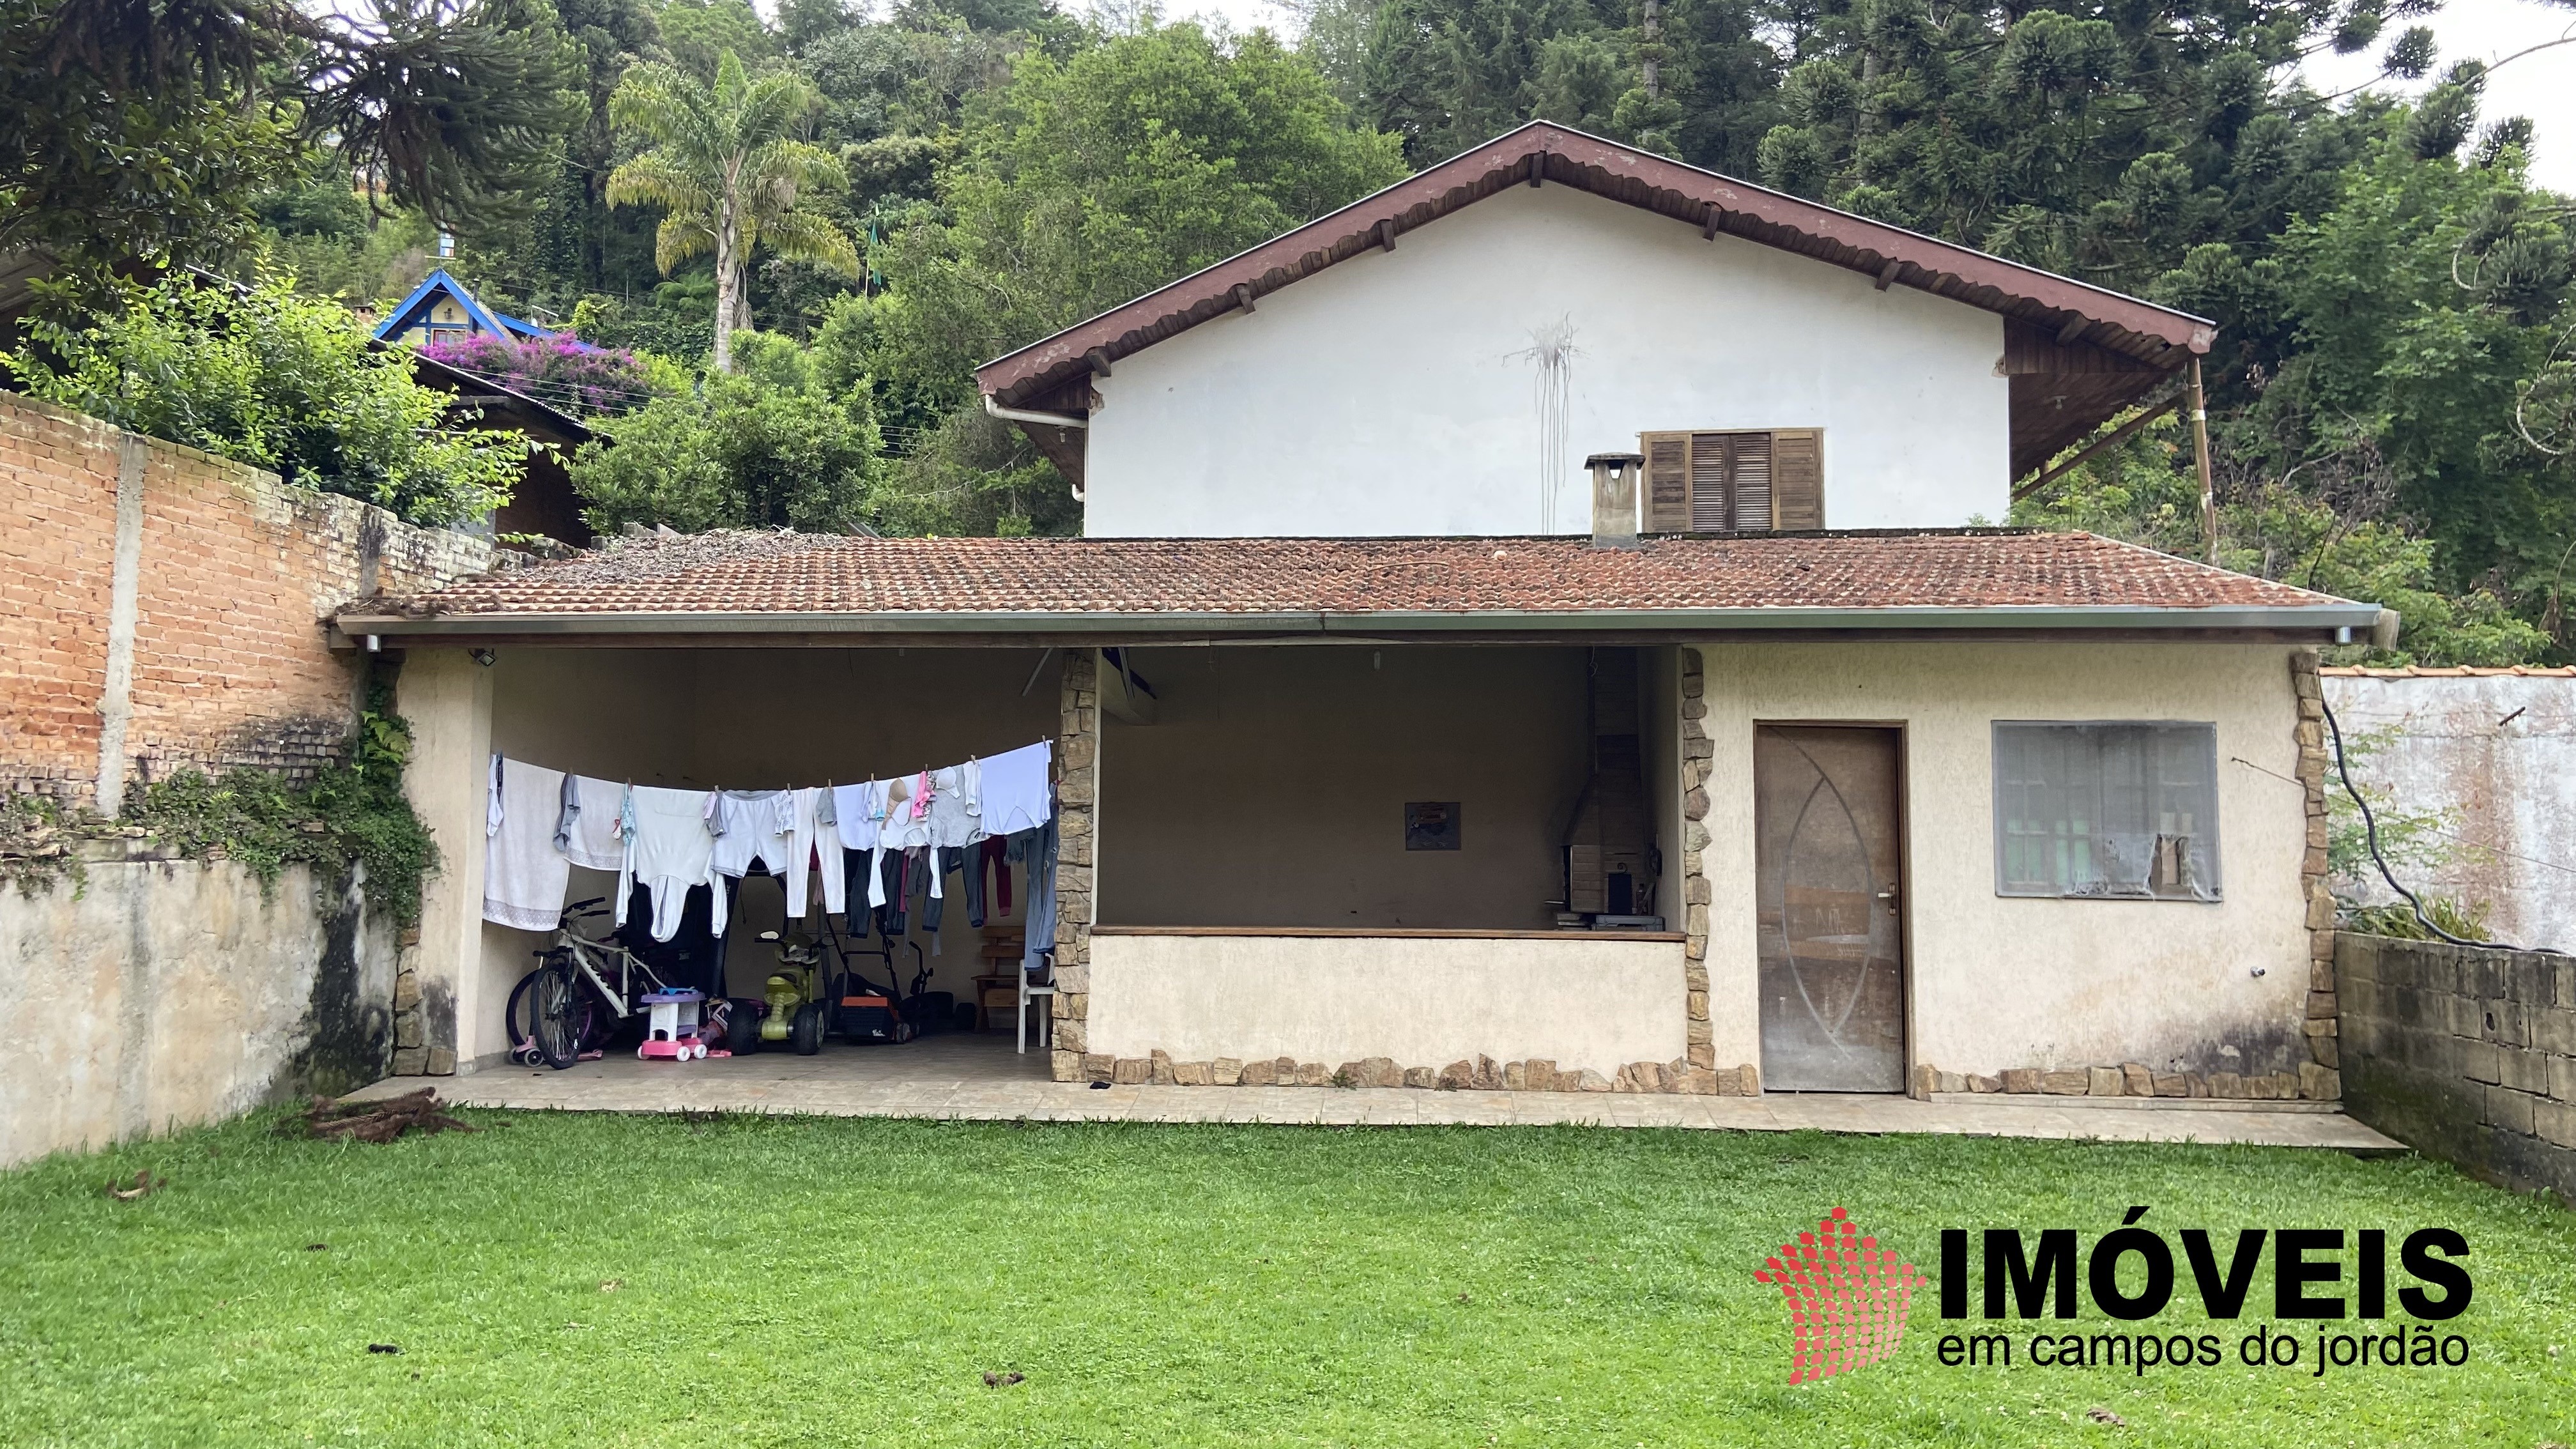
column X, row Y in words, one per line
column 2200, row 458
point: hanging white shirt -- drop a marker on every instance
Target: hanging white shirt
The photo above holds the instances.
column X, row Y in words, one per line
column 754, row 825
column 1014, row 791
column 858, row 809
column 672, row 849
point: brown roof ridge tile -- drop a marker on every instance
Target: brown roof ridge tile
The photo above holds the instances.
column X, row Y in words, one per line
column 2450, row 671
column 743, row 572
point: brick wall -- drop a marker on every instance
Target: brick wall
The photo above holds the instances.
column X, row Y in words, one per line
column 2465, row 1054
column 233, row 572
column 57, row 555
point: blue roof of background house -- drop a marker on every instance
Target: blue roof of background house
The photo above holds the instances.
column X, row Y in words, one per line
column 407, row 314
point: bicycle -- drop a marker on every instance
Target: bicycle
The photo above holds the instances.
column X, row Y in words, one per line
column 583, row 986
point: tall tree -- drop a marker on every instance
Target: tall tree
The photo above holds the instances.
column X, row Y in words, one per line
column 1101, row 177
column 1688, row 78
column 728, row 171
column 152, row 127
column 573, row 240
column 1088, row 180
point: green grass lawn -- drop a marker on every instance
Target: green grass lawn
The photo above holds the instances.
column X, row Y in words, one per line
column 601, row 1280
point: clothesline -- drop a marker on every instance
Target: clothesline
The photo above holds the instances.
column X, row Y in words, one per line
column 539, row 822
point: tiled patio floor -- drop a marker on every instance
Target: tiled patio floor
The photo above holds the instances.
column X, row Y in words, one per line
column 982, row 1078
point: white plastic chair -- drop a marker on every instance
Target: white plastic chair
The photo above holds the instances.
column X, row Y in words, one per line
column 1044, row 996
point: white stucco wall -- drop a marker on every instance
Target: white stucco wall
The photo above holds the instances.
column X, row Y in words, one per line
column 1998, row 982
column 2495, row 757
column 1383, row 396
column 1426, row 1002
column 447, row 697
column 162, row 994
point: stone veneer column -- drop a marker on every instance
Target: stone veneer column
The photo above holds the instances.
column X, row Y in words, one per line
column 1697, row 753
column 2320, row 1079
column 1077, row 756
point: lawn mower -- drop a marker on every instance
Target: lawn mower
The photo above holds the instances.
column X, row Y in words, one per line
column 800, row 1011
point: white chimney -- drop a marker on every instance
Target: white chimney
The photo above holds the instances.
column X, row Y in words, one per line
column 1614, row 498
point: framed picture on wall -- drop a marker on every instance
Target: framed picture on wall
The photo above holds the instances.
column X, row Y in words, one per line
column 1431, row 825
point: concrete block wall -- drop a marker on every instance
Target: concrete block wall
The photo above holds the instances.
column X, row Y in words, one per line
column 161, row 608
column 2465, row 1054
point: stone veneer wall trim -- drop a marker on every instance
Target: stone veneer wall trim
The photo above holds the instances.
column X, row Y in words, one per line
column 1698, row 757
column 1480, row 1074
column 2321, row 1076
column 2128, row 1079
column 1077, row 795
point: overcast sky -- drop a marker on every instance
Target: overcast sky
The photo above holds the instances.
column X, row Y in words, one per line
column 2541, row 86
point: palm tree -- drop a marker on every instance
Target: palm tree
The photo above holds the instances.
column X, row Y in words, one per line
column 726, row 170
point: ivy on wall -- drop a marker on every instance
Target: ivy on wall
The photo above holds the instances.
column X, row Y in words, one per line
column 353, row 811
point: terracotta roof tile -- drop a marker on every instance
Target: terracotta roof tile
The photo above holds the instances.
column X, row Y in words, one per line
column 800, row 574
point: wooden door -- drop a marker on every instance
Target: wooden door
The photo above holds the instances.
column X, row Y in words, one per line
column 1828, row 893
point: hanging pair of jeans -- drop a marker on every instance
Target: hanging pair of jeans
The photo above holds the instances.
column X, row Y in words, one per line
column 1040, row 936
column 876, row 894
column 947, row 860
column 893, row 918
column 993, row 853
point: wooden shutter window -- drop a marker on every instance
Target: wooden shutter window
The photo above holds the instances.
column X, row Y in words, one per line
column 1667, row 481
column 1798, row 479
column 1734, row 482
column 1749, row 481
column 1708, row 483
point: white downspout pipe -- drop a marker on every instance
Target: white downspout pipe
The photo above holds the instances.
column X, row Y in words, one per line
column 1052, row 420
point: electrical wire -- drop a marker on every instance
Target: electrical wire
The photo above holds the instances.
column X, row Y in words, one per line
column 2480, row 846
column 540, row 387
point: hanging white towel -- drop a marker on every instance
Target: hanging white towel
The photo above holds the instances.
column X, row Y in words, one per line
column 1014, row 793
column 671, row 850
column 523, row 873
column 593, row 830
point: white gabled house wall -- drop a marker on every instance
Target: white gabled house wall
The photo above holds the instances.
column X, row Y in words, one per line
column 1383, row 396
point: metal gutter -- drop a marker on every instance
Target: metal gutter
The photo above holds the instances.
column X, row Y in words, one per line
column 1023, row 415
column 2320, row 617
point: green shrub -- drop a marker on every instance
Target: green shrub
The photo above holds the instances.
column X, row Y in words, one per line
column 277, row 380
column 763, row 447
